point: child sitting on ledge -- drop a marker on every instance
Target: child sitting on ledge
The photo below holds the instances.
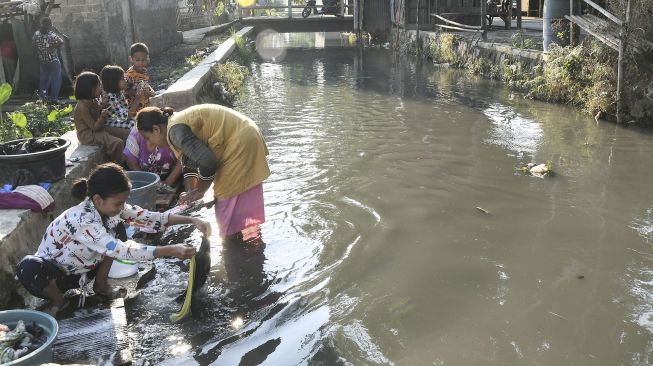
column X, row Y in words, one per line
column 89, row 117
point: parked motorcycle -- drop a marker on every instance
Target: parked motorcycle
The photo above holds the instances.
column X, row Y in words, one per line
column 328, row 7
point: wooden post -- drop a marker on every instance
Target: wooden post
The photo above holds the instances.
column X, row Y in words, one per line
column 519, row 10
column 623, row 42
column 509, row 22
column 483, row 20
column 417, row 32
column 357, row 24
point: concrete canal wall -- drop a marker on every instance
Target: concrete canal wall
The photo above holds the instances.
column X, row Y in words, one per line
column 189, row 89
column 21, row 230
column 471, row 49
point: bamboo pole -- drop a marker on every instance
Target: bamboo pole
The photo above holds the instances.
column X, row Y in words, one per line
column 417, row 32
column 519, row 10
column 623, row 42
column 456, row 23
column 483, row 20
column 605, row 12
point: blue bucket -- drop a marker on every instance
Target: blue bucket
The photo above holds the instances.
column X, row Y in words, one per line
column 42, row 354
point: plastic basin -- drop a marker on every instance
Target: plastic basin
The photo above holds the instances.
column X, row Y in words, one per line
column 143, row 191
column 46, row 166
column 42, row 354
column 122, row 268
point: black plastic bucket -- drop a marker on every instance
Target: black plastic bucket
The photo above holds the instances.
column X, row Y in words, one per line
column 46, row 166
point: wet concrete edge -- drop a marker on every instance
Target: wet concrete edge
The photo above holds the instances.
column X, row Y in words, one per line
column 186, row 91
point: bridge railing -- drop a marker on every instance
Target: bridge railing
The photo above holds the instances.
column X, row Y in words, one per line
column 287, row 10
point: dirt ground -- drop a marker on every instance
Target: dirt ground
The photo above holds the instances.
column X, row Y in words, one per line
column 168, row 66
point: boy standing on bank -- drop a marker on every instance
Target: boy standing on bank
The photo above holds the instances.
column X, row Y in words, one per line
column 139, row 90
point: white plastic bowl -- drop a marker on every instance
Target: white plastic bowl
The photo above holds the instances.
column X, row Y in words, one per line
column 122, row 268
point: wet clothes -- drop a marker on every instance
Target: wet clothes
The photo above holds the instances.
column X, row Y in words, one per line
column 35, row 273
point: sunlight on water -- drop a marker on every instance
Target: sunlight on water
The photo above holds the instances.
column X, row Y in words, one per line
column 270, row 46
column 513, row 131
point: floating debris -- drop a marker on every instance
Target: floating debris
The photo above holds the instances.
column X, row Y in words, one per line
column 538, row 170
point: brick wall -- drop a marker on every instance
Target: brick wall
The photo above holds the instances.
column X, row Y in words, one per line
column 101, row 31
column 156, row 23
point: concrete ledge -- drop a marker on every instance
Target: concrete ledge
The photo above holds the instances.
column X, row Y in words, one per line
column 185, row 92
column 21, row 230
column 534, row 55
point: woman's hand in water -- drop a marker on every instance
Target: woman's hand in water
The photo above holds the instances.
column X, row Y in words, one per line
column 183, row 251
column 186, row 198
column 203, row 226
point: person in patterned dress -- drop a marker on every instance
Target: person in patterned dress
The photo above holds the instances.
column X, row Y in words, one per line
column 82, row 242
column 119, row 122
column 47, row 43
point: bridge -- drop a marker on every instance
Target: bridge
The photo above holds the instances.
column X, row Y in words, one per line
column 287, row 19
column 326, row 23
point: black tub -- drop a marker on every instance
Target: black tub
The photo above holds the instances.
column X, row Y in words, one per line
column 46, row 166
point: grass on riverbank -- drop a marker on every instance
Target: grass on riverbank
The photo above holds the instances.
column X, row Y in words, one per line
column 584, row 76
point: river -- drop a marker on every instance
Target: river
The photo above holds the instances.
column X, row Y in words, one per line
column 401, row 230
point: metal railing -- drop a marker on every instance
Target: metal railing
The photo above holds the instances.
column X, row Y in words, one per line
column 287, row 9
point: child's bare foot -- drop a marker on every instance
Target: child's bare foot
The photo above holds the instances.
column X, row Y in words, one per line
column 110, row 292
column 56, row 308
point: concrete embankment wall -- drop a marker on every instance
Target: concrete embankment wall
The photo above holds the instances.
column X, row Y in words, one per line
column 190, row 88
column 469, row 49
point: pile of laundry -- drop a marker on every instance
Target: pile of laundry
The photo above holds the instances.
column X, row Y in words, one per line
column 28, row 146
column 20, row 341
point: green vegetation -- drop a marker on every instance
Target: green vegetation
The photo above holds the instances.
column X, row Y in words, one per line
column 36, row 119
column 584, row 75
column 230, row 77
column 244, row 52
column 520, row 40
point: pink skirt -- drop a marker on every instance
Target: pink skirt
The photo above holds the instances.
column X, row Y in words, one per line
column 244, row 212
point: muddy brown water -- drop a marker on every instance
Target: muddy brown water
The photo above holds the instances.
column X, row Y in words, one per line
column 376, row 253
